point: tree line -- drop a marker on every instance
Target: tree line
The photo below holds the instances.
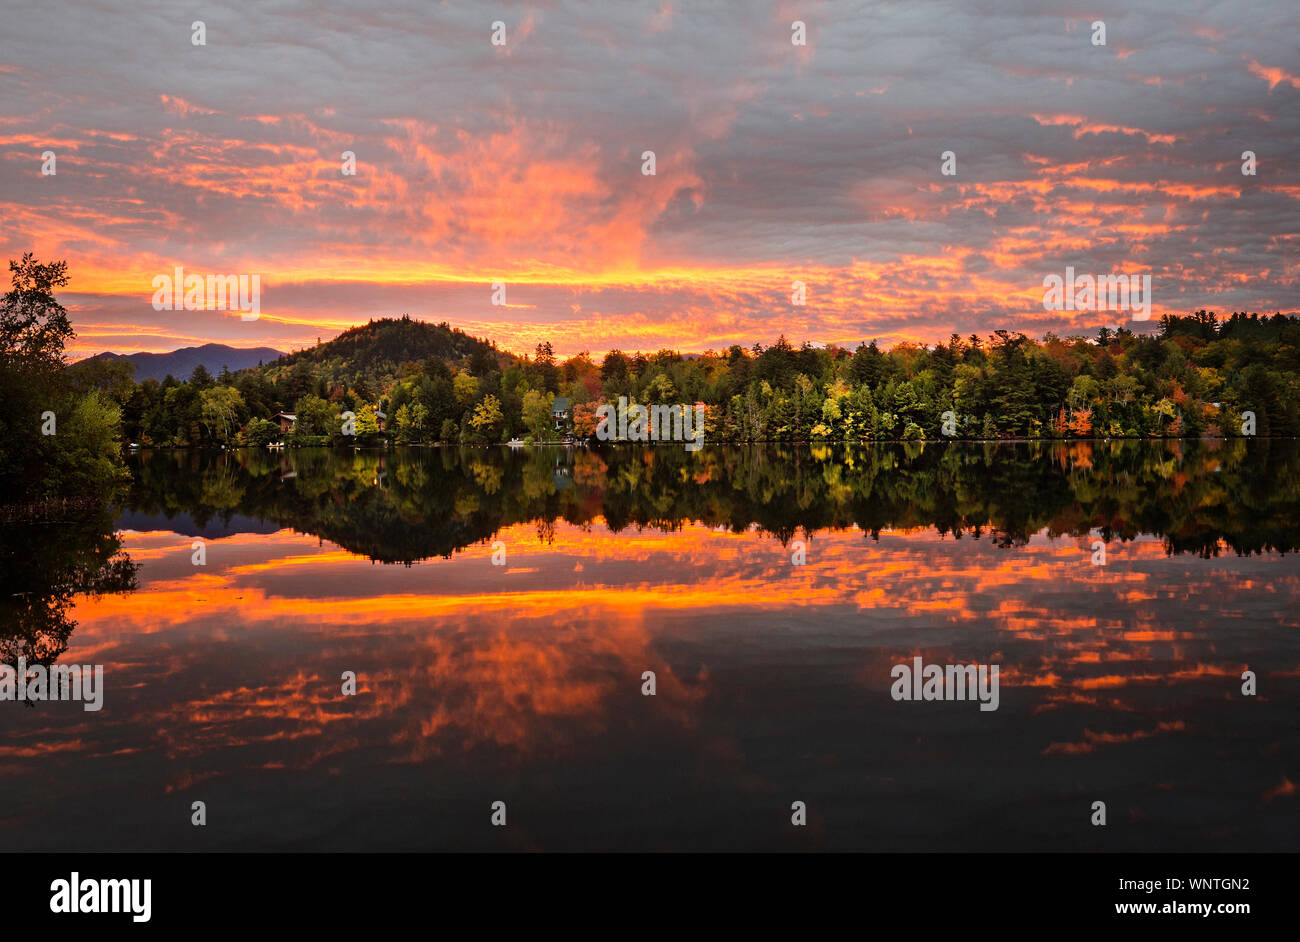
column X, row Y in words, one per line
column 1197, row 375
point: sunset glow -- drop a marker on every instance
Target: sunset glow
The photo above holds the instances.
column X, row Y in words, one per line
column 775, row 164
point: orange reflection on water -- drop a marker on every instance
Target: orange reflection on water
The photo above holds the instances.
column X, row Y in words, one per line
column 244, row 656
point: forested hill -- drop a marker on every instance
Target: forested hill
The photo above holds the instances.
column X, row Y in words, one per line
column 372, row 355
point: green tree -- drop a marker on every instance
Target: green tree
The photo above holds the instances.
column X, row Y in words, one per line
column 33, row 330
column 367, row 424
column 537, row 414
column 54, row 441
column 34, row 326
column 219, row 407
column 201, row 378
column 313, row 416
column 261, row 432
column 465, row 388
column 84, row 457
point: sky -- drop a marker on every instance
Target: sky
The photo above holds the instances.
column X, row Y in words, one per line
column 775, row 163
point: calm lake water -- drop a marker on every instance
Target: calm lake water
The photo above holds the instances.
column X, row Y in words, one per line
column 522, row 682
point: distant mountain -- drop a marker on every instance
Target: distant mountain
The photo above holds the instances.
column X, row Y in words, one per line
column 181, row 363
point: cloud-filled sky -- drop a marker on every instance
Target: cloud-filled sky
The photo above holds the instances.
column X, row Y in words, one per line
column 775, row 163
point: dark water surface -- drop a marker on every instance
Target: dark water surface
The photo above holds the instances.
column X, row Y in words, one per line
column 522, row 682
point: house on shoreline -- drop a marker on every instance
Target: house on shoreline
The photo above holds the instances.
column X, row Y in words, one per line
column 560, row 412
